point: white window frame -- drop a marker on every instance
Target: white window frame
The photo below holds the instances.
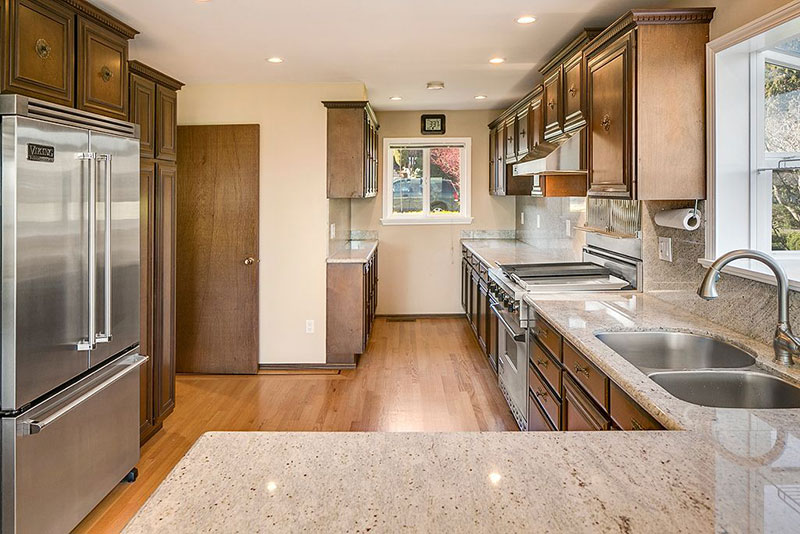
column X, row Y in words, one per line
column 758, row 228
column 465, row 189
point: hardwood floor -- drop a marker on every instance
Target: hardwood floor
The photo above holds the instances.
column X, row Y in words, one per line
column 426, row 375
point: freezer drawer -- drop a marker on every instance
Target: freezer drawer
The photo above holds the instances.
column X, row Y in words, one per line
column 62, row 457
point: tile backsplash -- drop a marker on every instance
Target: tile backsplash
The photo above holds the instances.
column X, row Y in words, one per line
column 743, row 305
column 546, row 222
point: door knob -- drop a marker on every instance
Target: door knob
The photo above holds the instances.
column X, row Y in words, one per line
column 249, row 261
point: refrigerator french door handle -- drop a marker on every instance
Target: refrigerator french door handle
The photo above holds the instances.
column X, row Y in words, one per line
column 105, row 335
column 89, row 343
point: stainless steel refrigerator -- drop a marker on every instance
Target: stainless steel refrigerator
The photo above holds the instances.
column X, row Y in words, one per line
column 69, row 312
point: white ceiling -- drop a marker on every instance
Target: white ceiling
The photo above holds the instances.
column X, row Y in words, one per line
column 393, row 47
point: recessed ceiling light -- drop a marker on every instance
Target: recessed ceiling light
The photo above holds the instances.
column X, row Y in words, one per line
column 395, row 98
column 526, row 19
column 275, row 60
column 435, row 86
column 497, row 60
column 480, row 97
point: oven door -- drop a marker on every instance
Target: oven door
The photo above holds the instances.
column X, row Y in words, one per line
column 512, row 365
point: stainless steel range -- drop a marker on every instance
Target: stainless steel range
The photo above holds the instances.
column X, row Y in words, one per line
column 608, row 264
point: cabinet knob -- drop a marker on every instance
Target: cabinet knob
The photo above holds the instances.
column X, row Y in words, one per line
column 606, row 122
column 572, row 90
column 551, row 104
column 42, row 48
column 249, row 261
column 105, row 73
column 522, row 133
column 510, row 139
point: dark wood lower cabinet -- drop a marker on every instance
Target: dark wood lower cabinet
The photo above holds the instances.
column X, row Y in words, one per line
column 147, row 420
column 569, row 392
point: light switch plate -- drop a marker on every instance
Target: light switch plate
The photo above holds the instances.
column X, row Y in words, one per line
column 538, row 221
column 568, row 227
column 309, row 326
column 665, row 248
column 522, row 217
column 333, row 230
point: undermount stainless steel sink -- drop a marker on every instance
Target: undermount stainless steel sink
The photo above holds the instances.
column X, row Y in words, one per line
column 729, row 389
column 652, row 351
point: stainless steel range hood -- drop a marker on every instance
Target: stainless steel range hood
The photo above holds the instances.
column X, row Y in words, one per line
column 558, row 162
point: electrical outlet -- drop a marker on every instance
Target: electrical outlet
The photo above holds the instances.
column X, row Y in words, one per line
column 538, row 221
column 568, row 227
column 665, row 248
column 333, row 230
column 522, row 217
column 309, row 326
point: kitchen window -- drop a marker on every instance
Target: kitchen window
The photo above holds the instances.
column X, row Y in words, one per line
column 426, row 182
column 754, row 144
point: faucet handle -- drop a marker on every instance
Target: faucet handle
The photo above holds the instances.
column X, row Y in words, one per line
column 785, row 344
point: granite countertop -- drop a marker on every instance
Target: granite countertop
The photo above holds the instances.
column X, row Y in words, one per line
column 354, row 252
column 510, row 251
column 720, row 470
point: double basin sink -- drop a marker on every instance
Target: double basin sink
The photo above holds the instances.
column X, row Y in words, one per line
column 702, row 370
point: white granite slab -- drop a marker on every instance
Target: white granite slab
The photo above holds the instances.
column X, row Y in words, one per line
column 509, row 251
column 354, row 252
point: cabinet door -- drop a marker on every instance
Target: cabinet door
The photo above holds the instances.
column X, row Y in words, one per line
column 39, row 38
column 523, row 133
column 102, row 71
column 143, row 112
column 483, row 324
column 536, row 122
column 574, row 104
column 500, row 164
column 164, row 294
column 610, row 92
column 553, row 111
column 474, row 286
column 166, row 124
column 492, row 161
column 464, row 283
column 510, row 136
column 147, row 172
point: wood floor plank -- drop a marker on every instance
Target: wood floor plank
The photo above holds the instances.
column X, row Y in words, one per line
column 425, row 375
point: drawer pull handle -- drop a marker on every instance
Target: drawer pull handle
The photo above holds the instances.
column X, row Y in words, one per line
column 540, row 393
column 105, row 73
column 542, row 363
column 572, row 90
column 43, row 48
column 635, row 425
column 606, row 122
column 583, row 370
column 538, row 332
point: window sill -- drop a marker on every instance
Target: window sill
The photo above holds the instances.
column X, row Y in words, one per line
column 753, row 270
column 401, row 221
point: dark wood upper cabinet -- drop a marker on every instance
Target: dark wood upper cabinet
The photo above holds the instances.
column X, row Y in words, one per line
column 536, row 121
column 492, row 161
column 142, row 110
column 646, row 106
column 352, row 133
column 39, row 55
column 166, row 123
column 553, row 110
column 510, row 136
column 611, row 127
column 574, row 93
column 102, row 70
column 523, row 131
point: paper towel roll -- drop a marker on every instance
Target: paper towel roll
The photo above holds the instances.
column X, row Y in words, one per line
column 683, row 219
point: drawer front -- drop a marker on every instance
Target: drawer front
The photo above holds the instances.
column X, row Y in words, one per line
column 548, row 367
column 102, row 71
column 548, row 336
column 586, row 374
column 627, row 415
column 538, row 421
column 40, row 42
column 167, row 124
column 579, row 412
column 88, row 441
column 545, row 397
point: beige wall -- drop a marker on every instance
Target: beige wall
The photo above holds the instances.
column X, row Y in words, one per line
column 293, row 236
column 419, row 265
column 731, row 14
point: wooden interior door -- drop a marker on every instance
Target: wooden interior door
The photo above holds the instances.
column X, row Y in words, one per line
column 217, row 250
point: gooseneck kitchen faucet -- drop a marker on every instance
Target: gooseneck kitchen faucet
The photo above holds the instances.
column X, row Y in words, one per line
column 785, row 344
